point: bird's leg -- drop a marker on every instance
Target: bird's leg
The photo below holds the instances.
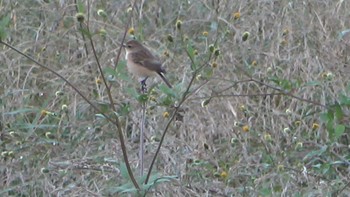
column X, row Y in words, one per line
column 142, row 137
column 143, row 85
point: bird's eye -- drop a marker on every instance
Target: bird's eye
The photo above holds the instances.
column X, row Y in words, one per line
column 129, row 46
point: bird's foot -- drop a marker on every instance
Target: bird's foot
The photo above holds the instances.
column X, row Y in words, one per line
column 144, row 86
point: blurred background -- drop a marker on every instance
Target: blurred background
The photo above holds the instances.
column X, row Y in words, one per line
column 266, row 111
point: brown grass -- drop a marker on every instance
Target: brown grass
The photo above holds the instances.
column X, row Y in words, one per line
column 272, row 119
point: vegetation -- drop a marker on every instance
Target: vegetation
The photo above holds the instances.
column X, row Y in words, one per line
column 259, row 104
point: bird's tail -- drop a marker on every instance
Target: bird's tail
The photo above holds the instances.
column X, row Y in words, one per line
column 165, row 80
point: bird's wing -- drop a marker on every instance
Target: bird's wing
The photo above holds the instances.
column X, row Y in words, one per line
column 153, row 65
column 146, row 59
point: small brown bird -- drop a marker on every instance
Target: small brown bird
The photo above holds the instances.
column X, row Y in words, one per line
column 142, row 63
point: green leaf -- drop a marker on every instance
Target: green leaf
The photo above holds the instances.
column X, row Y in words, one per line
column 343, row 33
column 36, row 126
column 348, row 87
column 4, row 23
column 190, row 51
column 81, row 7
column 166, row 90
column 21, row 111
column 214, row 26
column 207, row 73
column 286, row 84
column 313, row 83
column 120, row 70
column 329, row 116
column 338, row 112
column 124, row 171
column 166, row 101
column 330, row 128
column 339, row 130
column 265, row 192
column 100, row 116
column 316, row 152
column 344, row 100
column 110, row 71
column 153, row 181
column 86, row 33
column 143, row 98
column 124, row 109
column 132, row 92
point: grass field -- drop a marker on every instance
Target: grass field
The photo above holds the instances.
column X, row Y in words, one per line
column 259, row 104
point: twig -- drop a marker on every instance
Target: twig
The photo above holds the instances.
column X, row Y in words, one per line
column 185, row 95
column 142, row 137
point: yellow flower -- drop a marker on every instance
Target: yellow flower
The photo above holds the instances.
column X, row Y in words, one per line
column 223, row 174
column 269, row 69
column 214, row 65
column 211, row 48
column 154, row 139
column 185, row 38
column 129, row 9
column 178, row 24
column 245, row 128
column 205, row 102
column 245, row 36
column 329, row 75
column 152, row 98
column 80, row 17
column 64, row 107
column 286, row 130
column 166, row 53
column 288, row 111
column 297, row 123
column 267, row 137
column 254, row 63
column 299, row 146
column 205, row 33
column 102, row 13
column 285, row 32
column 11, row 154
column 199, row 77
column 44, row 170
column 242, row 108
column 49, row 135
column 44, row 112
column 280, row 168
column 59, row 93
column 234, row 140
column 166, row 114
column 98, row 80
column 102, row 32
column 284, row 42
column 216, row 52
column 4, row 153
column 131, row 31
column 315, row 126
column 170, row 38
column 236, row 15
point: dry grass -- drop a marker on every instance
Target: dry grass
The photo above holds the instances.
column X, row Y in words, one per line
column 271, row 118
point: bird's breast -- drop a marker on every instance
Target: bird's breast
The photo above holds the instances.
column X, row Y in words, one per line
column 138, row 69
column 126, row 55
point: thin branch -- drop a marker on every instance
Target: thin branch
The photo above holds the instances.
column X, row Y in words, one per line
column 81, row 27
column 60, row 76
column 185, row 95
column 142, row 137
column 289, row 94
column 119, row 128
